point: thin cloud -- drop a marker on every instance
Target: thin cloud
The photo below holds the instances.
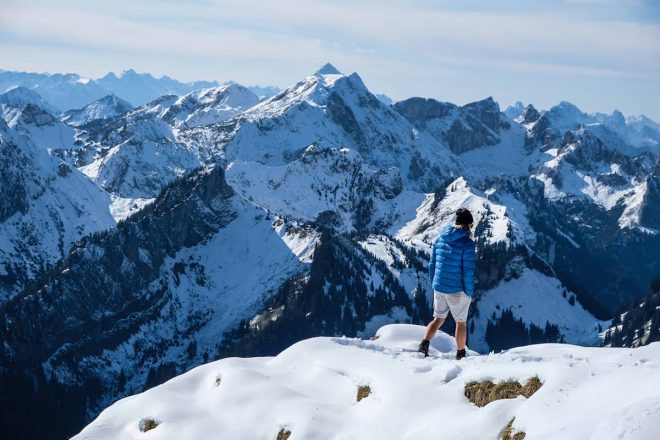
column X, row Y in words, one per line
column 388, row 42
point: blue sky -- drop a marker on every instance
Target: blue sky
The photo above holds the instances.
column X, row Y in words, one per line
column 598, row 54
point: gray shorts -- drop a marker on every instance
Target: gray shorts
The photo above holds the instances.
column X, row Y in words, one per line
column 457, row 303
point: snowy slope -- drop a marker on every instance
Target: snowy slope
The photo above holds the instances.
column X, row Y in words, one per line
column 310, row 390
column 208, row 106
column 103, row 108
column 141, row 170
column 47, row 205
column 537, row 299
column 135, row 154
column 207, row 295
column 325, row 179
column 155, row 295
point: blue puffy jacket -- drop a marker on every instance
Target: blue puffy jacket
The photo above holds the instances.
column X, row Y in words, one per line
column 451, row 267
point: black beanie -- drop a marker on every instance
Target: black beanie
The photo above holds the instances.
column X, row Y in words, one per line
column 463, row 217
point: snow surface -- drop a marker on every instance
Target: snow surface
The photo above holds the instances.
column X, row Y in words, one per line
column 310, row 389
column 122, row 208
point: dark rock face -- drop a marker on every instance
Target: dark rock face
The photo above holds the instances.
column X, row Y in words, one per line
column 650, row 210
column 586, row 152
column 486, row 111
column 530, row 114
column 343, row 115
column 542, row 134
column 35, row 115
column 464, row 128
column 100, row 285
column 418, row 111
column 14, row 195
column 388, row 183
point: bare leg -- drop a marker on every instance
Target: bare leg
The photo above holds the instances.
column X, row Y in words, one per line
column 461, row 335
column 433, row 327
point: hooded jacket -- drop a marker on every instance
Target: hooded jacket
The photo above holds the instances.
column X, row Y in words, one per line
column 451, row 267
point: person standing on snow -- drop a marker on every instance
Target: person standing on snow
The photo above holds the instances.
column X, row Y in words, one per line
column 451, row 269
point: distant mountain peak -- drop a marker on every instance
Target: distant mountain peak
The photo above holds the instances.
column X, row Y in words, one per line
column 108, row 106
column 20, row 96
column 328, row 69
column 567, row 106
column 128, row 73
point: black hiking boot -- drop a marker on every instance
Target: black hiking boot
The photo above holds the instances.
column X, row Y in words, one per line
column 460, row 354
column 424, row 347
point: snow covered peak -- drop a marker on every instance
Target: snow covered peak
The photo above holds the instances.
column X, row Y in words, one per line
column 333, row 109
column 328, row 69
column 30, row 115
column 19, row 97
column 642, row 119
column 208, row 106
column 566, row 116
column 232, row 94
column 103, row 108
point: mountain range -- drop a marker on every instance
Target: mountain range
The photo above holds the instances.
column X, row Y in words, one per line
column 140, row 240
column 70, row 91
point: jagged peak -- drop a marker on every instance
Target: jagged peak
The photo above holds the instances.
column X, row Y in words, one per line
column 328, row 69
column 530, row 114
column 109, row 76
column 487, row 103
column 111, row 99
column 129, row 72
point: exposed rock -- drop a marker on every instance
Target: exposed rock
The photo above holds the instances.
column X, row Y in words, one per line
column 530, row 114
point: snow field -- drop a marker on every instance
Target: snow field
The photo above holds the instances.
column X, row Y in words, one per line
column 311, row 389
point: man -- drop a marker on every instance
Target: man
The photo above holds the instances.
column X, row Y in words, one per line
column 451, row 269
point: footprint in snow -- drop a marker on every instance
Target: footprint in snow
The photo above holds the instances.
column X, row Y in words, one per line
column 452, row 374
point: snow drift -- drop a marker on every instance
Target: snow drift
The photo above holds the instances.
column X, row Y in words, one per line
column 310, row 390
